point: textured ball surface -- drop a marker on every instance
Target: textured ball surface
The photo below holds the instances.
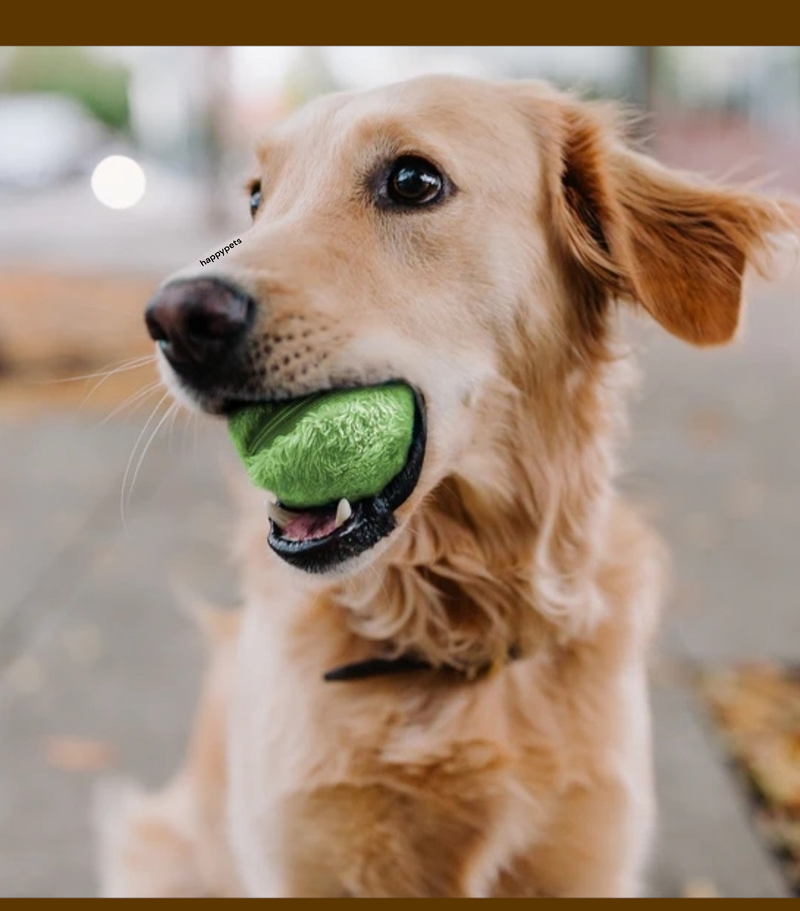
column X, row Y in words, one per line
column 315, row 451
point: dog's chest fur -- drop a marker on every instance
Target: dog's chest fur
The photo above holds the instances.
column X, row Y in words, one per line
column 415, row 784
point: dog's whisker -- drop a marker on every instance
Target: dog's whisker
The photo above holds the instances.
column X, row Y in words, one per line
column 132, row 364
column 115, row 372
column 170, row 411
column 190, row 415
column 191, row 423
column 175, row 413
column 135, row 399
column 142, row 432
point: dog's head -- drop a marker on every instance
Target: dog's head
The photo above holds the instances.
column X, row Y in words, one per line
column 466, row 238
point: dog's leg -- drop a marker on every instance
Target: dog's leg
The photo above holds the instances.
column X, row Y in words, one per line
column 599, row 843
column 598, row 850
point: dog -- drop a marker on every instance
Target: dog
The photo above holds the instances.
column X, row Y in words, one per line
column 456, row 705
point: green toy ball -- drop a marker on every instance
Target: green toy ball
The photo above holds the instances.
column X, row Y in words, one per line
column 315, row 451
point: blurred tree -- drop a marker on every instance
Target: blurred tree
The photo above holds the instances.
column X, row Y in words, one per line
column 101, row 86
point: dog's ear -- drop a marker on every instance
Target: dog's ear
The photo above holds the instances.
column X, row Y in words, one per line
column 675, row 245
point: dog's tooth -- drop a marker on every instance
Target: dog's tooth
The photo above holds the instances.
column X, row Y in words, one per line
column 271, row 498
column 280, row 516
column 343, row 512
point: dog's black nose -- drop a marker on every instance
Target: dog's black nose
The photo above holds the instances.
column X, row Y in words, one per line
column 199, row 322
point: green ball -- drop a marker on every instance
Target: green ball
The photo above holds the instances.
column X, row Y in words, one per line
column 315, row 451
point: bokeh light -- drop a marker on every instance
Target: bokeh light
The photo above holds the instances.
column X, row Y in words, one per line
column 118, row 182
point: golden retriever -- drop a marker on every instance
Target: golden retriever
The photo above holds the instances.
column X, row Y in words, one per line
column 444, row 695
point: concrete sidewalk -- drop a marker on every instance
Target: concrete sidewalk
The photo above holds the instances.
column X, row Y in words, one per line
column 98, row 671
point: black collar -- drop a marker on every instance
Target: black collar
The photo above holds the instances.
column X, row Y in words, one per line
column 382, row 667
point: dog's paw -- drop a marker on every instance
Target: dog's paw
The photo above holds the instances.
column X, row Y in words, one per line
column 141, row 849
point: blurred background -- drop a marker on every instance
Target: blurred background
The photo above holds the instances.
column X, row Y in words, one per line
column 119, row 165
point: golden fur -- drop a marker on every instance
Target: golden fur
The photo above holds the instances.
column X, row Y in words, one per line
column 534, row 780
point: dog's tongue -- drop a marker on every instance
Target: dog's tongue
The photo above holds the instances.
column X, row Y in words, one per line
column 297, row 524
column 310, row 525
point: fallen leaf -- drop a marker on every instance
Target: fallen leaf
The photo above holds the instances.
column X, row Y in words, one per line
column 78, row 754
column 707, row 429
column 757, row 709
column 700, row 888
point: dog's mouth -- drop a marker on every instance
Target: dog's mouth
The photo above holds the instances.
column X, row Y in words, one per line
column 321, row 538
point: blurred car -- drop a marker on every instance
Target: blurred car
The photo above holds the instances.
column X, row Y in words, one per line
column 47, row 138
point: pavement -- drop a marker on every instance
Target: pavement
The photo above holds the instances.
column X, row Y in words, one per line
column 99, row 671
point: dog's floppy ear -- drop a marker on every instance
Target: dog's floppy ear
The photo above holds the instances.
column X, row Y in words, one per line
column 675, row 245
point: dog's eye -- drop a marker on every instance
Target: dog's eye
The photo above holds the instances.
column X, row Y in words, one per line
column 255, row 199
column 414, row 182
